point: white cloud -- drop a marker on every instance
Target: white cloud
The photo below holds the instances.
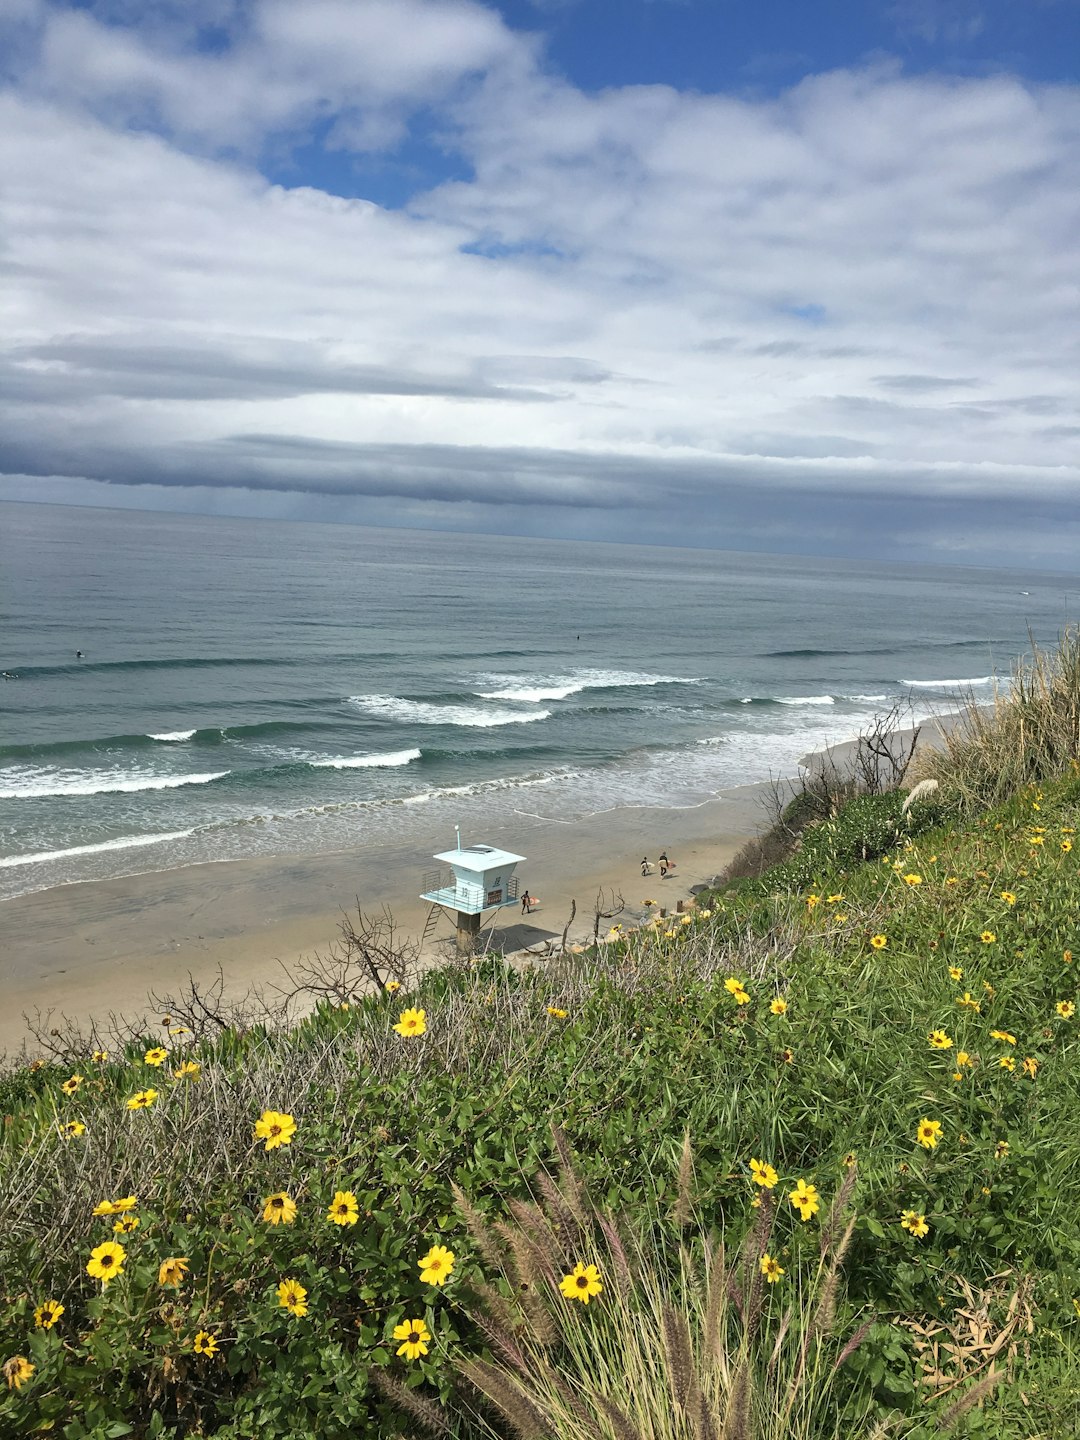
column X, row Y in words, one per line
column 850, row 298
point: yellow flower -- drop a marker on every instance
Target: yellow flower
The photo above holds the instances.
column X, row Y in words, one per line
column 71, row 1084
column 805, row 1199
column 189, row 1070
column 988, row 937
column 1066, row 957
column 17, row 1371
column 279, row 1209
column 1007, row 1063
column 173, row 1272
column 275, row 1128
column 556, row 1013
column 849, row 1160
column 582, row 1283
column 788, row 1056
column 125, row 1203
column 156, row 1056
column 879, row 941
column 47, row 1314
column 127, row 1225
column 1066, row 1009
column 106, row 1261
column 914, row 1223
column 1030, row 1067
column 737, row 990
column 955, row 972
column 205, row 1344
column 1004, row 1036
column 928, row 1133
column 966, row 1002
column 1036, row 840
column 74, row 1127
column 179, row 1030
column 1008, row 897
column 143, row 1100
column 436, row 1265
column 939, row 1040
column 778, row 1006
column 1066, row 846
column 291, row 1296
column 100, row 1056
column 343, row 1208
column 912, row 879
column 392, row 987
column 1001, row 1149
column 411, row 1022
column 952, row 880
column 834, row 899
column 414, row 1336
column 812, row 901
column 963, row 1058
column 763, row 1174
column 770, row 1268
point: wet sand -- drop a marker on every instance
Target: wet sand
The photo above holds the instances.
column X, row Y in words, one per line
column 91, row 949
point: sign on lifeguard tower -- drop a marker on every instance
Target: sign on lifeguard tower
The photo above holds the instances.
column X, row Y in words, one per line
column 476, row 878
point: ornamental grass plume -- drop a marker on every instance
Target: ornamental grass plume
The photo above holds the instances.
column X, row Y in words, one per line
column 677, row 1341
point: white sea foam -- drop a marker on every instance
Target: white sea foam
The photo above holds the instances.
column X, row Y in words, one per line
column 418, row 712
column 34, row 784
column 123, row 842
column 949, row 684
column 173, row 735
column 805, row 700
column 366, row 762
column 532, row 689
column 868, row 699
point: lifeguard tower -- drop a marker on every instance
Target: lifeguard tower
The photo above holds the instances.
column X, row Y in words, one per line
column 473, row 878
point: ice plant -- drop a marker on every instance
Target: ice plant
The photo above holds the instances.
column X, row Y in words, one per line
column 805, row 1199
column 770, row 1268
column 763, row 1174
column 205, row 1344
column 343, row 1209
column 411, row 1023
column 143, row 1100
column 172, row 1272
column 928, row 1133
column 914, row 1223
column 414, row 1336
column 106, row 1261
column 582, row 1283
column 47, row 1314
column 279, row 1209
column 292, row 1297
column 275, row 1129
column 436, row 1265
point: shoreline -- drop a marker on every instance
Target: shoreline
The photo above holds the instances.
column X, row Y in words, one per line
column 92, row 948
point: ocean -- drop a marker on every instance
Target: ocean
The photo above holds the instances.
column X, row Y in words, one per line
column 261, row 687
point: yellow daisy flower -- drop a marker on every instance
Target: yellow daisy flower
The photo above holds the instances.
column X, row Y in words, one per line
column 928, row 1133
column 415, row 1338
column 582, row 1283
column 275, row 1128
column 292, row 1297
column 411, row 1023
column 436, row 1265
column 343, row 1209
column 279, row 1209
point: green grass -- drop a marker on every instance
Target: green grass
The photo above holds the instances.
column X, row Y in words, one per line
column 654, row 1045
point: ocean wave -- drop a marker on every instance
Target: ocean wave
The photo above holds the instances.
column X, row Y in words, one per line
column 37, row 785
column 173, row 735
column 532, row 690
column 366, row 762
column 806, row 700
column 949, row 684
column 123, row 842
column 419, row 712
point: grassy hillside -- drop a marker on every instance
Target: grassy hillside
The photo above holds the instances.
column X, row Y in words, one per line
column 892, row 1041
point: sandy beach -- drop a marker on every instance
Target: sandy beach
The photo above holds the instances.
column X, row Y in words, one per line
column 92, row 949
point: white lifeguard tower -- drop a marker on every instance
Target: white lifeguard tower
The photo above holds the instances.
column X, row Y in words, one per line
column 474, row 878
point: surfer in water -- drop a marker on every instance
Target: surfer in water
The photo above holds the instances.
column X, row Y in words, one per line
column 78, row 655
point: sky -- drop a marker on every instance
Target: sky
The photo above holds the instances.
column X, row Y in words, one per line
column 787, row 277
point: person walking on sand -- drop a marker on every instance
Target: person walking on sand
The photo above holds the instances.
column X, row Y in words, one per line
column 663, row 863
column 526, row 901
column 646, row 868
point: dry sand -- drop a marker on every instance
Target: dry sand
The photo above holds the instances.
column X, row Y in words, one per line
column 91, row 949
